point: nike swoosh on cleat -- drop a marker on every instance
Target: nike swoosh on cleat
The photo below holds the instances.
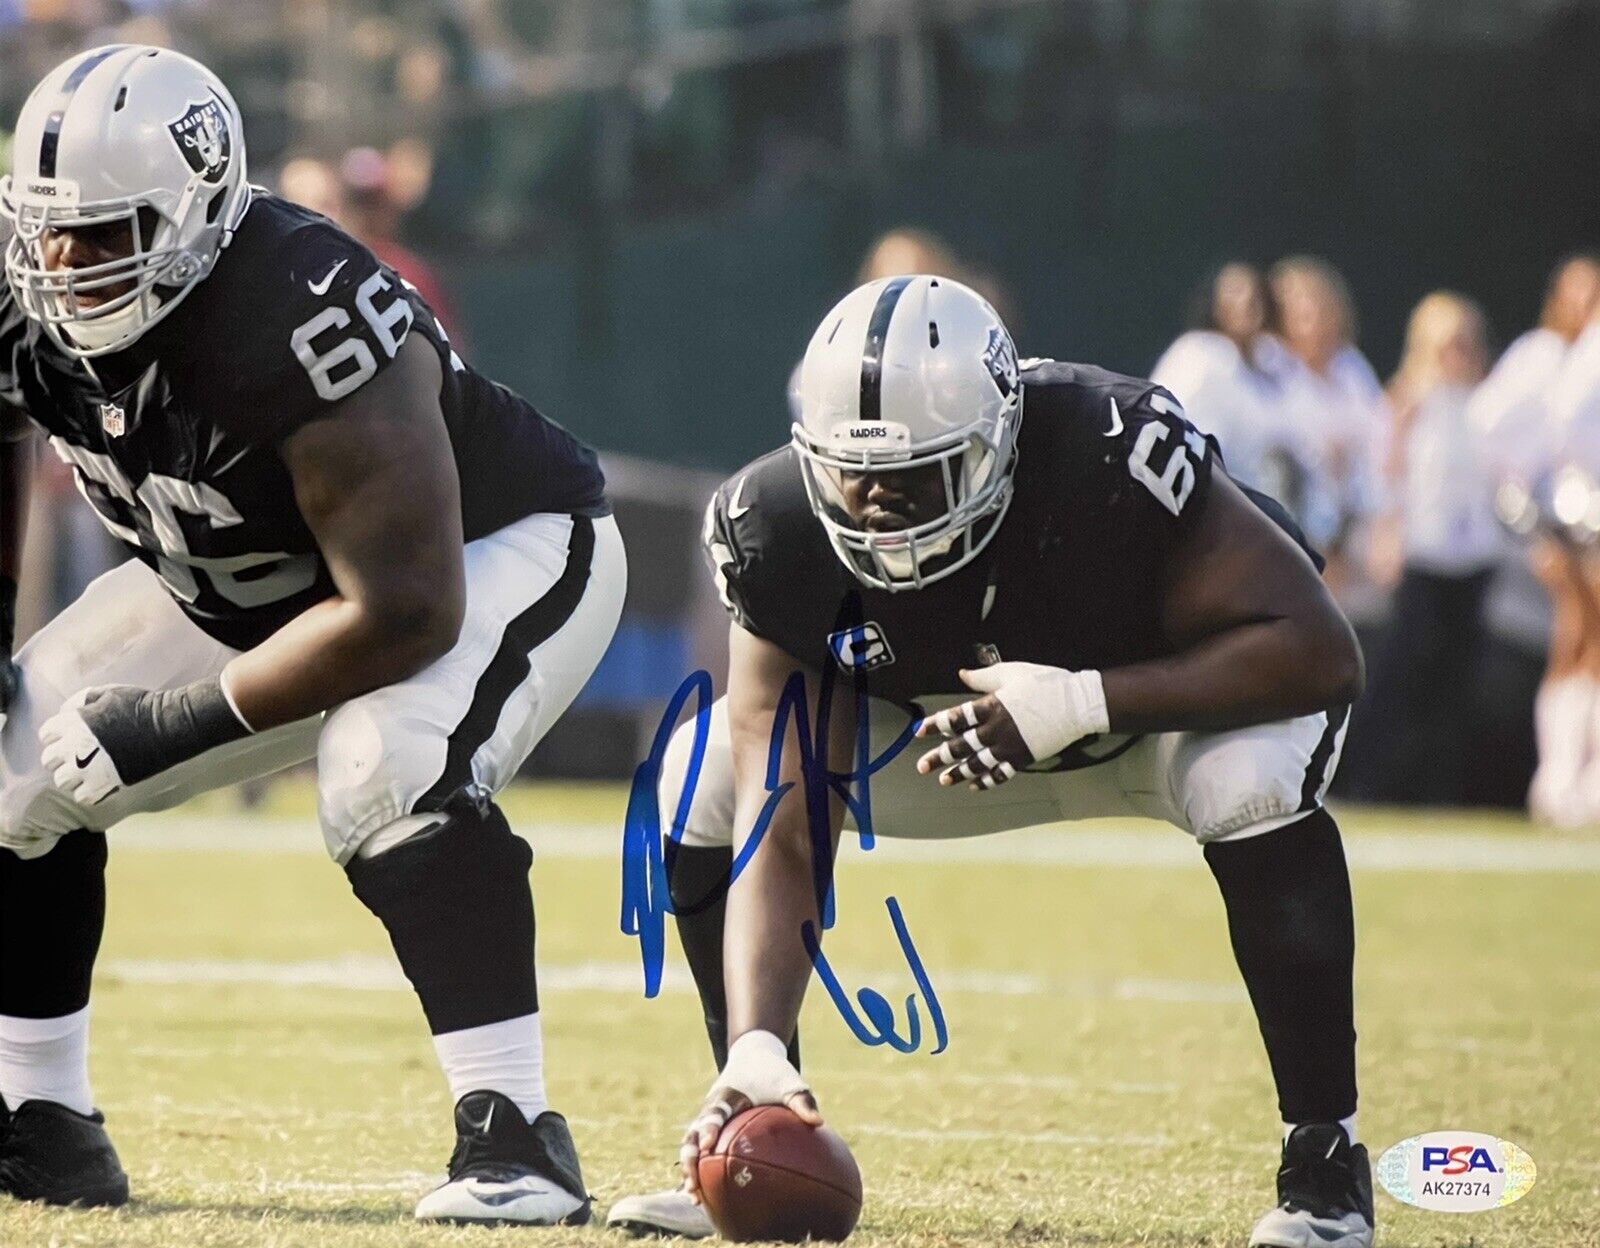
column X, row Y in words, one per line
column 496, row 1199
column 88, row 758
column 1116, row 420
column 503, row 1194
column 321, row 288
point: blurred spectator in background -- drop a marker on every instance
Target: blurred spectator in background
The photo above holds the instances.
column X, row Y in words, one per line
column 1226, row 370
column 1509, row 411
column 907, row 250
column 1566, row 786
column 1512, row 416
column 313, row 184
column 377, row 189
column 1436, row 546
column 1334, row 404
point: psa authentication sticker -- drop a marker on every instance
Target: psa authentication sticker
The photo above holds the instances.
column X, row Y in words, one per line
column 1456, row 1172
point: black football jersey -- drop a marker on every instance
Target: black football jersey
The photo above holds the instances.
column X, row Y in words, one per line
column 176, row 441
column 1109, row 478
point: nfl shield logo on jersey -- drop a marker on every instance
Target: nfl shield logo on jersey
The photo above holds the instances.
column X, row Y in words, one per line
column 860, row 649
column 202, row 136
column 113, row 419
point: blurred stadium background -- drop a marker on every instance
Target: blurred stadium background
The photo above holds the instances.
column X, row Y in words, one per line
column 634, row 211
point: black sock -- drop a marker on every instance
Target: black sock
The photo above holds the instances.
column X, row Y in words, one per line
column 697, row 877
column 1289, row 915
column 459, row 911
column 52, row 914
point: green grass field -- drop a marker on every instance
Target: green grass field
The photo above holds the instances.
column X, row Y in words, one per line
column 269, row 1080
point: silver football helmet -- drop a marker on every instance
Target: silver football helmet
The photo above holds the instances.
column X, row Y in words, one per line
column 122, row 134
column 907, row 373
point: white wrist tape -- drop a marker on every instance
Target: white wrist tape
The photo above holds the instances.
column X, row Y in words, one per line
column 758, row 1065
column 1052, row 707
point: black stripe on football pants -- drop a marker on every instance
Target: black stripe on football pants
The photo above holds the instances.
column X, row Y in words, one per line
column 1317, row 767
column 50, row 140
column 511, row 665
column 872, row 351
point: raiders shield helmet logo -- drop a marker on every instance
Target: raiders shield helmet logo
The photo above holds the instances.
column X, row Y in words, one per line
column 202, row 136
column 1000, row 358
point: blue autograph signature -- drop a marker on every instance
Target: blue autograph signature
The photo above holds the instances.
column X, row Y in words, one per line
column 646, row 899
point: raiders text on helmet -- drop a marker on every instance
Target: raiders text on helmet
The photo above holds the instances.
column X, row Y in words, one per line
column 122, row 134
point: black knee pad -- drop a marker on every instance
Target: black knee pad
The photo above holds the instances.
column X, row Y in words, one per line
column 459, row 911
column 1292, row 889
column 52, row 915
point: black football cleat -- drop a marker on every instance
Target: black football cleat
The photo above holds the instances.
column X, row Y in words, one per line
column 506, row 1169
column 1324, row 1193
column 57, row 1156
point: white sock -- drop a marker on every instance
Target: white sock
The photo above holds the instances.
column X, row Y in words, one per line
column 46, row 1059
column 1563, row 711
column 1563, row 714
column 1349, row 1125
column 503, row 1057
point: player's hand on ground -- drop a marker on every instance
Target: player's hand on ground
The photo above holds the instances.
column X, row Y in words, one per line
column 1029, row 711
column 758, row 1073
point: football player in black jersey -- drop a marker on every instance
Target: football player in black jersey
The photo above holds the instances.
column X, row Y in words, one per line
column 347, row 546
column 1048, row 569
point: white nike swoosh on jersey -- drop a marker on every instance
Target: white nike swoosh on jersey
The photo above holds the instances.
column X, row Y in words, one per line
column 734, row 510
column 321, row 288
column 1116, row 420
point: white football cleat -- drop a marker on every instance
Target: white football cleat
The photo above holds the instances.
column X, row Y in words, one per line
column 506, row 1169
column 661, row 1213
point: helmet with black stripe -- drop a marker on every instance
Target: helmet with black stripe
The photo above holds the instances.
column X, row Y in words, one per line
column 122, row 138
column 908, row 374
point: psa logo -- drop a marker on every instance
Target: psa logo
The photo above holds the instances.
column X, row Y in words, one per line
column 1456, row 1172
column 1462, row 1159
column 860, row 649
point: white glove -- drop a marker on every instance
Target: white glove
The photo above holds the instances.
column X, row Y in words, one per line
column 758, row 1066
column 79, row 765
column 757, row 1072
column 1051, row 706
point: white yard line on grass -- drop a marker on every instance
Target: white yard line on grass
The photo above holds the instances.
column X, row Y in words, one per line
column 963, row 1135
column 994, row 1079
column 264, row 1185
column 1087, row 846
column 371, row 973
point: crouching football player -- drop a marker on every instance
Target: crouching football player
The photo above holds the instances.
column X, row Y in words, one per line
column 1089, row 618
column 348, row 546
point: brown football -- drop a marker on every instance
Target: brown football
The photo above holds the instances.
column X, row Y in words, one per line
column 773, row 1177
